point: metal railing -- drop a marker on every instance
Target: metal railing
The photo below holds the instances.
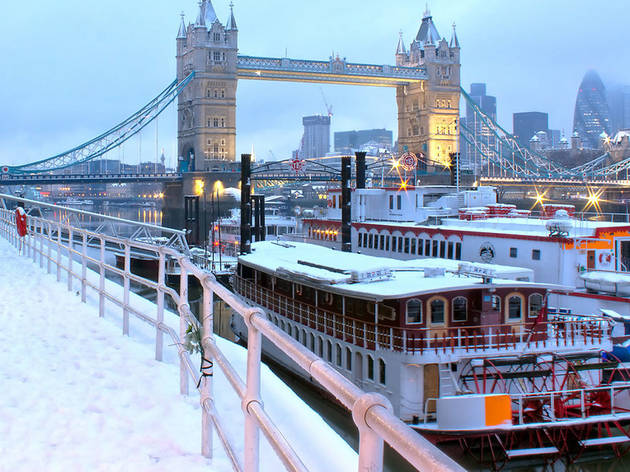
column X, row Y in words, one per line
column 372, row 413
column 531, row 335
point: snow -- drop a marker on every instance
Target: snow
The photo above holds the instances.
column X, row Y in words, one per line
column 77, row 395
column 327, row 266
column 605, row 276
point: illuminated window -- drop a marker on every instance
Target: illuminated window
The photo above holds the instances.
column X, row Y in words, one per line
column 515, row 307
column 496, row 302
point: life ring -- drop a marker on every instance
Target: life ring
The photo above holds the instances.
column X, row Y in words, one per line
column 605, row 259
column 298, row 289
column 330, row 204
column 328, row 298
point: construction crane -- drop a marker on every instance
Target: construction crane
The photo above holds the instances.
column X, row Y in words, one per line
column 328, row 107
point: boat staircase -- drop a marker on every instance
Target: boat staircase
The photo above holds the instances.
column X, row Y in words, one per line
column 448, row 383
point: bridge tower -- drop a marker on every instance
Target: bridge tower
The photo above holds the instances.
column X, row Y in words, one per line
column 207, row 106
column 428, row 112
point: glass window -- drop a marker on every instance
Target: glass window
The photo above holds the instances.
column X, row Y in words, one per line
column 328, row 351
column 535, row 304
column 413, row 245
column 513, row 252
column 400, row 244
column 414, row 311
column 360, row 240
column 427, row 247
column 496, row 302
column 217, row 56
column 514, row 307
column 381, row 371
column 391, row 202
column 370, row 367
column 535, row 254
column 382, row 245
column 407, row 243
column 437, row 311
column 435, row 248
column 320, row 346
column 449, row 252
column 458, row 251
column 394, row 239
column 442, row 249
column 387, row 243
column 398, row 202
column 460, row 309
column 338, row 354
column 370, row 240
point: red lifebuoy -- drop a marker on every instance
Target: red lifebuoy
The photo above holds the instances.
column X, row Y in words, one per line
column 20, row 221
column 605, row 259
column 330, row 204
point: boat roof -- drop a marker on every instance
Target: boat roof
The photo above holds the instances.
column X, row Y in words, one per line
column 374, row 278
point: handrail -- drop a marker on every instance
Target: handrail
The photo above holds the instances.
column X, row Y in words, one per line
column 371, row 412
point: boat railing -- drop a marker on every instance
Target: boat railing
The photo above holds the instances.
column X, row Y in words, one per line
column 530, row 335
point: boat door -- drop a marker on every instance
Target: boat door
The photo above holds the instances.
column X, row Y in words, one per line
column 623, row 255
column 431, row 386
column 590, row 259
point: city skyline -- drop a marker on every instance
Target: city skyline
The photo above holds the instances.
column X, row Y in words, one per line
column 71, row 91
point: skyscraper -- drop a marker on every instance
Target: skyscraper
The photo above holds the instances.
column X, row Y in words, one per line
column 316, row 138
column 527, row 124
column 591, row 117
column 619, row 105
column 471, row 155
column 349, row 141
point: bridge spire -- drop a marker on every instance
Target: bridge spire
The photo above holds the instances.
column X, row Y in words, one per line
column 231, row 24
column 454, row 41
column 181, row 34
column 207, row 15
column 400, row 49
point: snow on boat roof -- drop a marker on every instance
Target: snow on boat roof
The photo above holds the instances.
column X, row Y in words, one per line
column 606, row 276
column 366, row 276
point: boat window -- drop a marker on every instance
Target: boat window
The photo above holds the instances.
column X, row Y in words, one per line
column 398, row 202
column 311, row 342
column 514, row 307
column 387, row 310
column 334, row 201
column 348, row 359
column 442, row 249
column 460, row 309
column 387, row 243
column 381, row 371
column 370, row 367
column 414, row 311
column 394, row 239
column 338, row 354
column 513, row 252
column 400, row 244
column 496, row 302
column 407, row 243
column 413, row 245
column 360, row 240
column 535, row 304
column 427, row 247
column 382, row 238
column 328, row 351
column 535, row 254
column 391, row 202
column 320, row 346
column 370, row 240
column 449, row 253
column 420, row 246
column 437, row 311
column 283, row 286
column 458, row 251
column 435, row 248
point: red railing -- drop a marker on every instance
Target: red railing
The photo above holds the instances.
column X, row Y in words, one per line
column 543, row 335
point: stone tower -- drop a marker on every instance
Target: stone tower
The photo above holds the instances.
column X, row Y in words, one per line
column 428, row 112
column 207, row 106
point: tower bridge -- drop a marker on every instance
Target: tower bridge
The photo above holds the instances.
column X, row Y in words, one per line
column 425, row 77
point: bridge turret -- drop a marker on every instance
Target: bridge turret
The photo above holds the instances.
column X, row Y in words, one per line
column 207, row 107
column 401, row 53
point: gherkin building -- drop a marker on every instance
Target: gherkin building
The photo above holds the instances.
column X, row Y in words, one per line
column 591, row 117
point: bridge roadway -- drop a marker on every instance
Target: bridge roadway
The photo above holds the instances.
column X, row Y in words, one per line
column 555, row 182
column 57, row 179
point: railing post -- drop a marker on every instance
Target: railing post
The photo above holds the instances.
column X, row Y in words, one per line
column 159, row 335
column 206, row 369
column 183, row 326
column 127, row 268
column 84, row 267
column 49, row 244
column 41, row 244
column 101, row 282
column 370, row 443
column 58, row 252
column 70, row 241
column 252, row 392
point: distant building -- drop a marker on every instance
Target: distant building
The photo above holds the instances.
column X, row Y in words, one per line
column 591, row 117
column 619, row 106
column 316, row 138
column 347, row 142
column 527, row 124
column 470, row 155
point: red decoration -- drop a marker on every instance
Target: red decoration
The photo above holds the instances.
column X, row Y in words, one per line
column 408, row 161
column 297, row 164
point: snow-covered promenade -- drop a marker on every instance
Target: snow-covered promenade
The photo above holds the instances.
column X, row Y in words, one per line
column 77, row 395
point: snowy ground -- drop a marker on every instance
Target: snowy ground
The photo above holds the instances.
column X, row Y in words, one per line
column 77, row 395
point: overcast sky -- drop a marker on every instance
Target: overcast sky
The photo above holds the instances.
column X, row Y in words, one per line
column 73, row 69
